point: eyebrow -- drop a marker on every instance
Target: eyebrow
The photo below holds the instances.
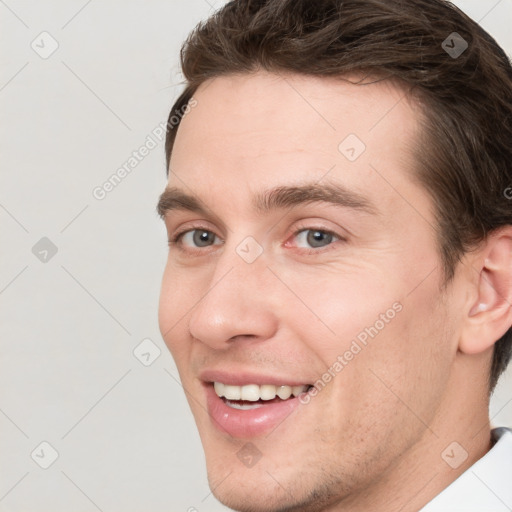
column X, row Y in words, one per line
column 279, row 197
column 290, row 196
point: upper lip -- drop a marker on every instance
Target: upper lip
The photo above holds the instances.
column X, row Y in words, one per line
column 242, row 378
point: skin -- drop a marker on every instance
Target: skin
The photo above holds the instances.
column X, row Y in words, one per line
column 372, row 439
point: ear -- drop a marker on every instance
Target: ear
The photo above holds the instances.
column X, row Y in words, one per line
column 490, row 314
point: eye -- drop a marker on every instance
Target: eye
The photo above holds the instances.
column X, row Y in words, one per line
column 195, row 238
column 315, row 238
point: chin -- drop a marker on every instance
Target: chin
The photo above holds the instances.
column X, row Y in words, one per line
column 266, row 487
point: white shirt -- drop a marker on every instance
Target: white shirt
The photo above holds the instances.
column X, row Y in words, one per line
column 486, row 486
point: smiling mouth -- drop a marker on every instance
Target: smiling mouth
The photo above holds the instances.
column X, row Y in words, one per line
column 253, row 396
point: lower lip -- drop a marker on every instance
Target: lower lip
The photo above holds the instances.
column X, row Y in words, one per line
column 251, row 422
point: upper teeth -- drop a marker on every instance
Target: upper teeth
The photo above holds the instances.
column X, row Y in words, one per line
column 253, row 392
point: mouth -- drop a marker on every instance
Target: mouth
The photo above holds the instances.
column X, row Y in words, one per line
column 247, row 410
column 254, row 396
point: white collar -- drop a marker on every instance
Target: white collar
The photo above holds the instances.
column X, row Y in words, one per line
column 486, row 486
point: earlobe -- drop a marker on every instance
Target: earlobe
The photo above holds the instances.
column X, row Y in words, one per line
column 490, row 314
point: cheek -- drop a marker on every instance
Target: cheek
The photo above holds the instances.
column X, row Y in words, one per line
column 341, row 307
column 166, row 306
column 176, row 299
column 404, row 369
column 363, row 326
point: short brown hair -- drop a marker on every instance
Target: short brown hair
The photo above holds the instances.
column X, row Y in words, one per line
column 465, row 158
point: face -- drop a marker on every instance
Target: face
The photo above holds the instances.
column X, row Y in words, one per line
column 301, row 299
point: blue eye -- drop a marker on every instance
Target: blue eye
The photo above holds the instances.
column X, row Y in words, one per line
column 316, row 238
column 309, row 239
column 196, row 238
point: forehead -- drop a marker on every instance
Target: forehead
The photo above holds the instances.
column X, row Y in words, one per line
column 261, row 130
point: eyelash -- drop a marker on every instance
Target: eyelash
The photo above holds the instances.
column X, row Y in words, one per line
column 175, row 241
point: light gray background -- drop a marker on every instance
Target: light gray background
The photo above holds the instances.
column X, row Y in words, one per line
column 125, row 438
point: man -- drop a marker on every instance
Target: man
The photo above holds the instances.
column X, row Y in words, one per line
column 338, row 291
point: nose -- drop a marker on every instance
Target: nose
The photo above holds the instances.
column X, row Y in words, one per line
column 237, row 303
